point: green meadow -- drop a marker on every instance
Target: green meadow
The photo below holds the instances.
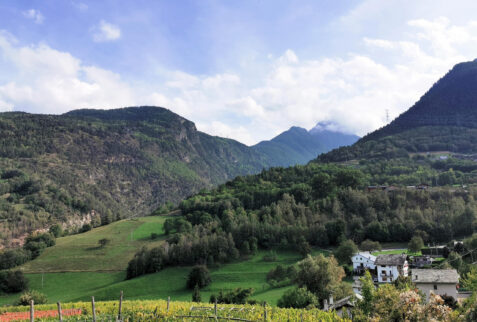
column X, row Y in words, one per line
column 76, row 268
column 81, row 252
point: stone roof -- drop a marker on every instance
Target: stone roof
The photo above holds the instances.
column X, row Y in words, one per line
column 446, row 276
column 390, row 259
column 348, row 301
column 366, row 255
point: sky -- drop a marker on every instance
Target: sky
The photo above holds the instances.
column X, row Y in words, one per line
column 246, row 70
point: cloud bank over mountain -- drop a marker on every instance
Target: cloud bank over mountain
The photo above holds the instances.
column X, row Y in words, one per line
column 263, row 93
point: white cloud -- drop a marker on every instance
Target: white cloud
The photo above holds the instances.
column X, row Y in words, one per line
column 380, row 43
column 34, row 15
column 352, row 91
column 106, row 32
column 51, row 81
column 218, row 128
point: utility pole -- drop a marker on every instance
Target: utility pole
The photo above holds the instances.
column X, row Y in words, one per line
column 387, row 116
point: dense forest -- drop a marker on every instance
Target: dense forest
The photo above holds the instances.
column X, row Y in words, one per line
column 314, row 205
column 99, row 166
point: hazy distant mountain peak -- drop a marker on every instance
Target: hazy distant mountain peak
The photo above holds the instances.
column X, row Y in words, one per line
column 325, row 126
column 298, row 145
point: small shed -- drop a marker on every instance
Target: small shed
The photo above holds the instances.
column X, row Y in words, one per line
column 343, row 307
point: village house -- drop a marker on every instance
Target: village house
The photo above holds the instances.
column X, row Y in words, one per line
column 437, row 281
column 343, row 307
column 422, row 186
column 420, row 261
column 363, row 261
column 390, row 267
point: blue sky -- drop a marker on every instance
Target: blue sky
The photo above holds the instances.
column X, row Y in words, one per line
column 240, row 69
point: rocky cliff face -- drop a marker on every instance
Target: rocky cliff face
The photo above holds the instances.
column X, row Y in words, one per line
column 118, row 162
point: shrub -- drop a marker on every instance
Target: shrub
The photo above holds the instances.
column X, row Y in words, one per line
column 14, row 257
column 369, row 246
column 450, row 301
column 13, row 281
column 277, row 274
column 196, row 295
column 103, row 242
column 237, row 296
column 270, row 257
column 85, row 228
column 345, row 251
column 35, row 248
column 56, row 230
column 298, row 298
column 37, row 243
column 304, row 248
column 416, row 244
column 37, row 297
column 200, row 276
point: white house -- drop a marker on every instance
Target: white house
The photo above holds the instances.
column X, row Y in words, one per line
column 437, row 281
column 362, row 261
column 390, row 267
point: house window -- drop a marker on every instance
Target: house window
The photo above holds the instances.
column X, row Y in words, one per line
column 435, row 287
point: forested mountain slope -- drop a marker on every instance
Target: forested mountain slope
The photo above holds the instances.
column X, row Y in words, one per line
column 103, row 165
column 444, row 119
column 331, row 138
column 299, row 146
column 294, row 146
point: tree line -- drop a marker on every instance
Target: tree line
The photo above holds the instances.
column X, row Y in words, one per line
column 303, row 206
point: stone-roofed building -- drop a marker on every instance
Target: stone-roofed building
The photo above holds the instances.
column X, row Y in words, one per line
column 390, row 267
column 437, row 281
column 363, row 261
column 342, row 307
column 420, row 261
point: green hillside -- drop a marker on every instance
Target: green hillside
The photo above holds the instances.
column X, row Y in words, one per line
column 444, row 119
column 76, row 268
column 295, row 146
column 299, row 146
column 100, row 166
column 81, row 252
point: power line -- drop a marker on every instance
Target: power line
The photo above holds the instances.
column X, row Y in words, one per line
column 461, row 256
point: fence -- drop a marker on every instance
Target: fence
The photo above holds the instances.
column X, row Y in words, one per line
column 214, row 313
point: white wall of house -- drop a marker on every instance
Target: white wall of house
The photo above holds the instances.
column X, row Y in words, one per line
column 363, row 260
column 389, row 273
column 438, row 288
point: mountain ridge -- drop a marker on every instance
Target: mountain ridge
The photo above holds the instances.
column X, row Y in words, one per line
column 443, row 119
column 119, row 163
column 299, row 146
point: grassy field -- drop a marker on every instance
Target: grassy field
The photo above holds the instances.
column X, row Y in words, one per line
column 80, row 286
column 396, row 251
column 81, row 252
column 77, row 268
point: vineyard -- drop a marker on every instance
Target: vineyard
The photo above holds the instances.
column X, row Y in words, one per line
column 160, row 310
